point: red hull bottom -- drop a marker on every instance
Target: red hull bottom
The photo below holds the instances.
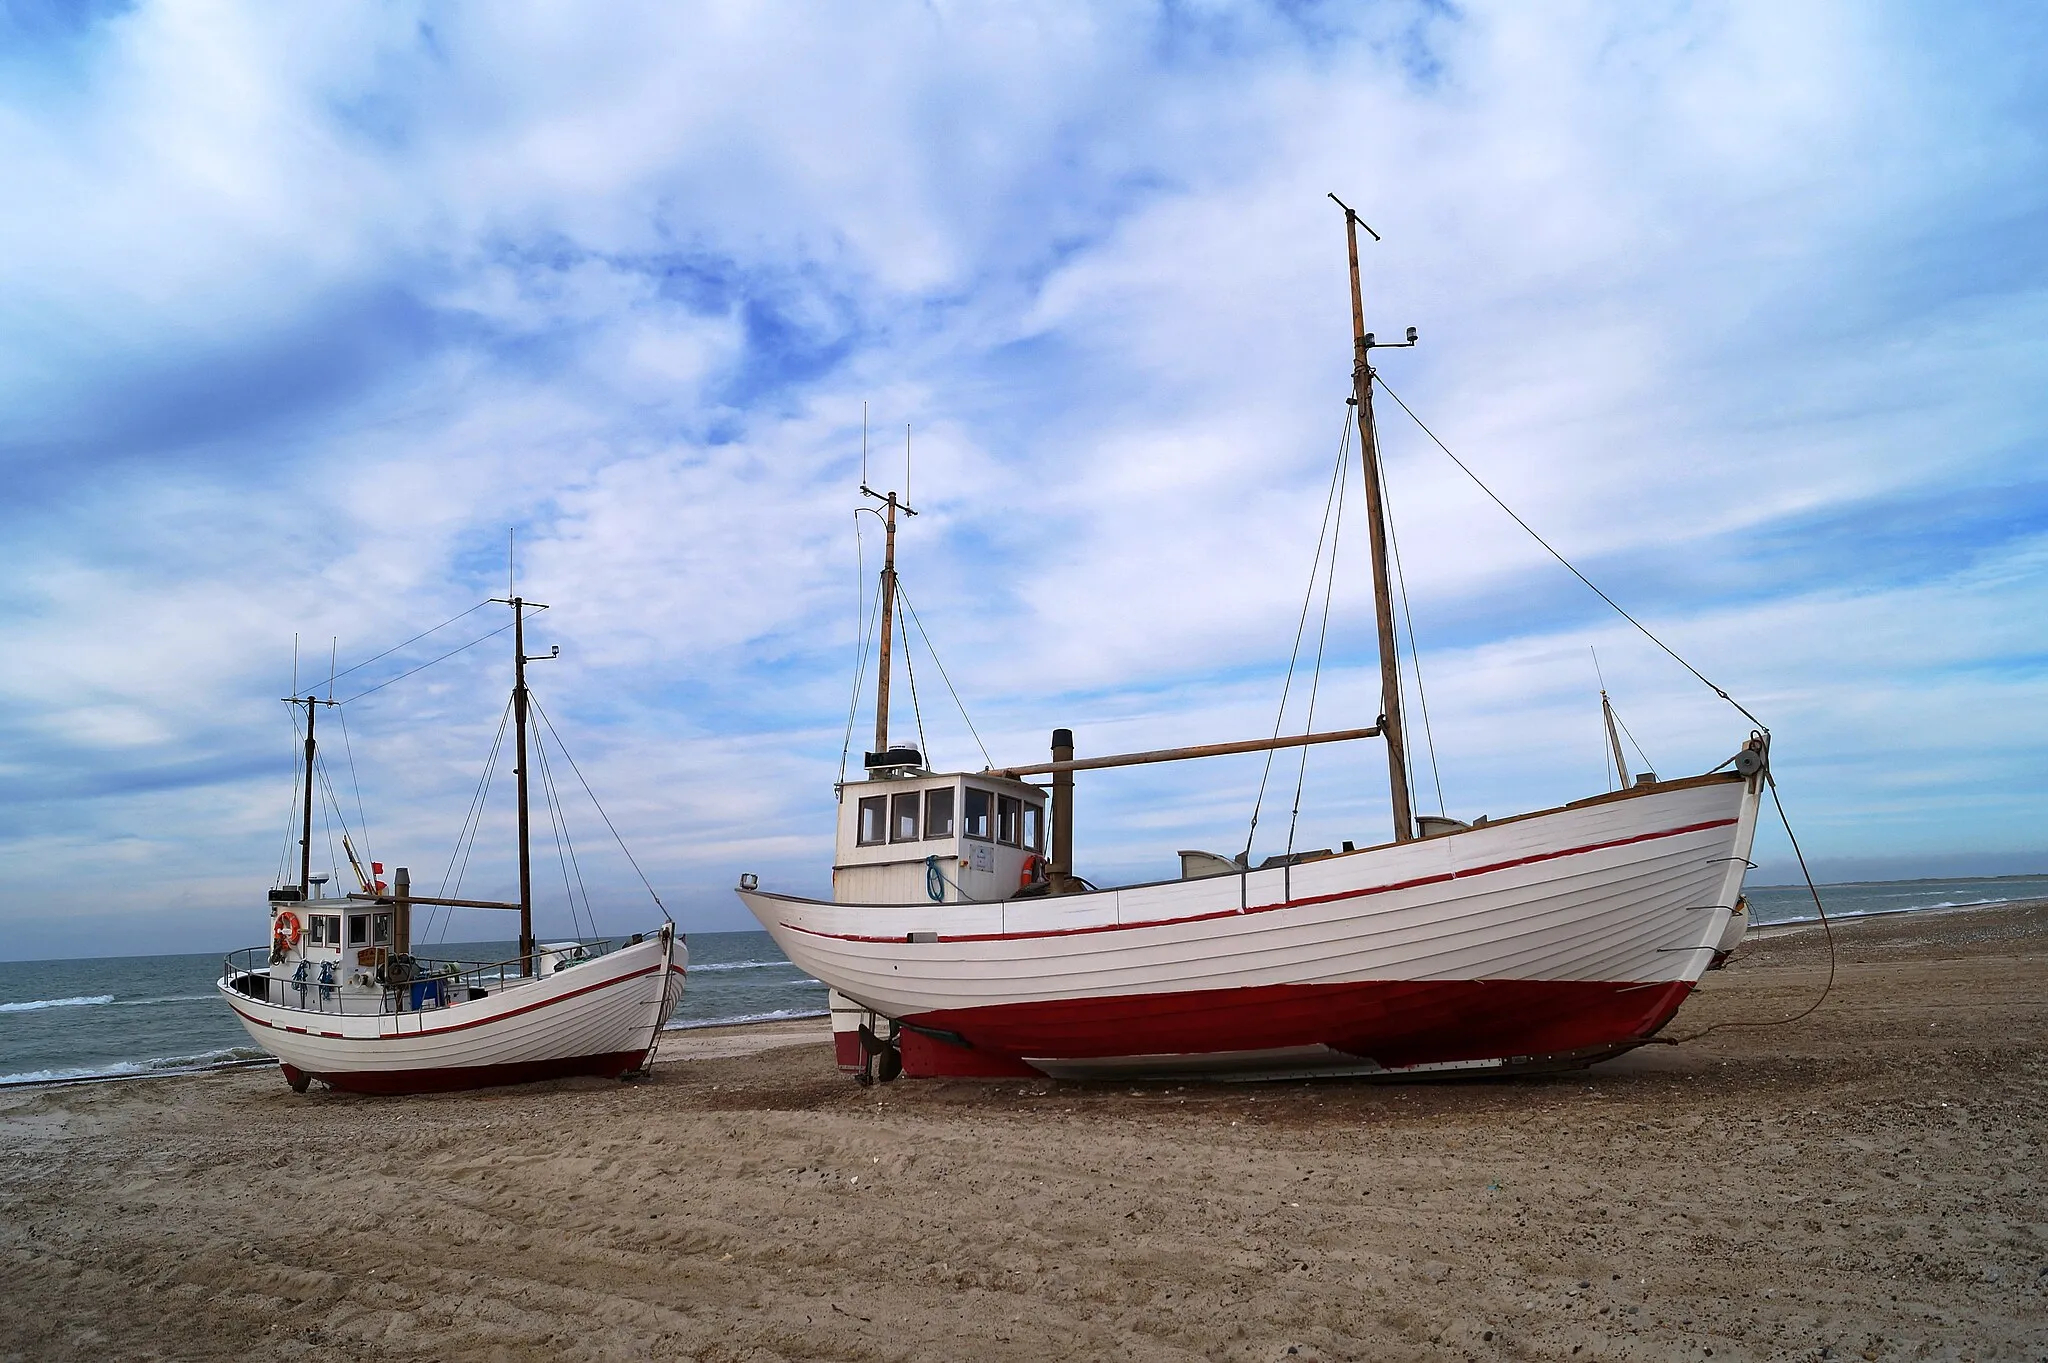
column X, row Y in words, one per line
column 1360, row 1027
column 471, row 1077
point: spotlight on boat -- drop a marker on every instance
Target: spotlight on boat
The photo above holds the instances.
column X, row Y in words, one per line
column 1411, row 336
column 749, row 881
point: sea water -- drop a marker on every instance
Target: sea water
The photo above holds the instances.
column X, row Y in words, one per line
column 138, row 1015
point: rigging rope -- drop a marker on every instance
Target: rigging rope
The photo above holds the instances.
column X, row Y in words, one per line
column 1300, row 627
column 362, row 816
column 472, row 821
column 910, row 671
column 1316, row 676
column 600, row 808
column 1414, row 649
column 1825, row 926
column 1640, row 627
column 565, row 846
column 860, row 659
column 932, row 649
column 424, row 666
column 395, row 647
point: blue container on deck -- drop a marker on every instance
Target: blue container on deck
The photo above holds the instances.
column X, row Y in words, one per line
column 427, row 994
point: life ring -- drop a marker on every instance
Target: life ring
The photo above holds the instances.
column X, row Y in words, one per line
column 1033, row 871
column 284, row 930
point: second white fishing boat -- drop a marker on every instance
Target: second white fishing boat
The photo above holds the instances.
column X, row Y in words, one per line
column 954, row 946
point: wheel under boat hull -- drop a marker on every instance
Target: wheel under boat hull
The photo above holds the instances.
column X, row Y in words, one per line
column 1552, row 940
column 596, row 1018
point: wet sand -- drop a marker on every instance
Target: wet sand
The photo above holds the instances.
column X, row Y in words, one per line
column 1865, row 1183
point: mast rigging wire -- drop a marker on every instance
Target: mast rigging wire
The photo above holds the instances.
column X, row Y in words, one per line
column 1300, row 627
column 910, row 671
column 424, row 666
column 932, row 649
column 472, row 821
column 395, row 647
column 1316, row 676
column 1640, row 626
column 1414, row 649
column 600, row 808
column 860, row 657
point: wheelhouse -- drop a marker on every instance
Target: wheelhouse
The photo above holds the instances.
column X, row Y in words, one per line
column 907, row 835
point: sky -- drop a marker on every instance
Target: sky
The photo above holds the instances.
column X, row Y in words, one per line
column 1743, row 307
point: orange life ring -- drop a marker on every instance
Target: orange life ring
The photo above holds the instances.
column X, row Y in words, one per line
column 1031, row 874
column 284, row 930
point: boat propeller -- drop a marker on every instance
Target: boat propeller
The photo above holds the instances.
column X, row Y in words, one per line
column 879, row 1059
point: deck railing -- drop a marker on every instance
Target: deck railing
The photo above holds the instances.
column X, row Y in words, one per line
column 425, row 982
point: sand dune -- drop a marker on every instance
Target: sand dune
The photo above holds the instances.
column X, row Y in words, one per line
column 1864, row 1183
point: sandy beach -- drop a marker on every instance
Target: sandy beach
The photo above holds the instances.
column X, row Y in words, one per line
column 1864, row 1183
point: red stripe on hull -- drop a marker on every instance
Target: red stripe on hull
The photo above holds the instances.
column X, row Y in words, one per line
column 1393, row 1023
column 475, row 1076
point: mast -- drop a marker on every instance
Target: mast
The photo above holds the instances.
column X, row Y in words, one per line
column 519, row 607
column 888, row 626
column 1375, row 508
column 306, row 825
column 891, row 504
column 1614, row 739
column 519, row 727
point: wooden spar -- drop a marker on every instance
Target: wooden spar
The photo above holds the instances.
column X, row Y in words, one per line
column 1614, row 738
column 306, row 828
column 1134, row 759
column 433, row 899
column 1376, row 517
column 888, row 627
column 525, row 904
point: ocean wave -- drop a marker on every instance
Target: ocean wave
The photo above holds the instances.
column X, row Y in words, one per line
column 1838, row 915
column 740, row 1019
column 33, row 1005
column 135, row 1069
column 738, row 965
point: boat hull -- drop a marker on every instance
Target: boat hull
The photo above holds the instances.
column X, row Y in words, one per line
column 597, row 1018
column 1552, row 939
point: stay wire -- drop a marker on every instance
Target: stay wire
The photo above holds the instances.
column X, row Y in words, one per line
column 599, row 807
column 1316, row 676
column 472, row 821
column 1414, row 649
column 1825, row 926
column 415, row 639
column 575, row 862
column 557, row 820
column 910, row 671
column 362, row 816
column 424, row 666
column 866, row 641
column 932, row 649
column 1641, row 628
column 1300, row 627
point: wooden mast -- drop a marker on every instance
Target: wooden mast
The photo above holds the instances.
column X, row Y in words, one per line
column 1614, row 740
column 519, row 727
column 1375, row 508
column 888, row 626
column 306, row 826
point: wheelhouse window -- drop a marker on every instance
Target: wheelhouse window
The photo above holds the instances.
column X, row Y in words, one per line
column 979, row 814
column 1034, row 828
column 874, row 814
column 903, row 816
column 324, row 929
column 938, row 813
column 1009, row 819
column 380, row 929
column 358, row 929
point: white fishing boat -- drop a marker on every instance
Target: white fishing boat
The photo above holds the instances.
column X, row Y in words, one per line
column 342, row 996
column 960, row 942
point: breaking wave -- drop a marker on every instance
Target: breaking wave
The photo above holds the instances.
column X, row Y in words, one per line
column 36, row 1005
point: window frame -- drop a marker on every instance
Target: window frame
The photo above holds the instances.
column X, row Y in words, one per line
column 1034, row 826
column 988, row 816
column 1013, row 807
column 934, row 798
column 880, row 804
column 915, row 800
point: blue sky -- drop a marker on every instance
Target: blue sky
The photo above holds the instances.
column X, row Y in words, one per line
column 1743, row 306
